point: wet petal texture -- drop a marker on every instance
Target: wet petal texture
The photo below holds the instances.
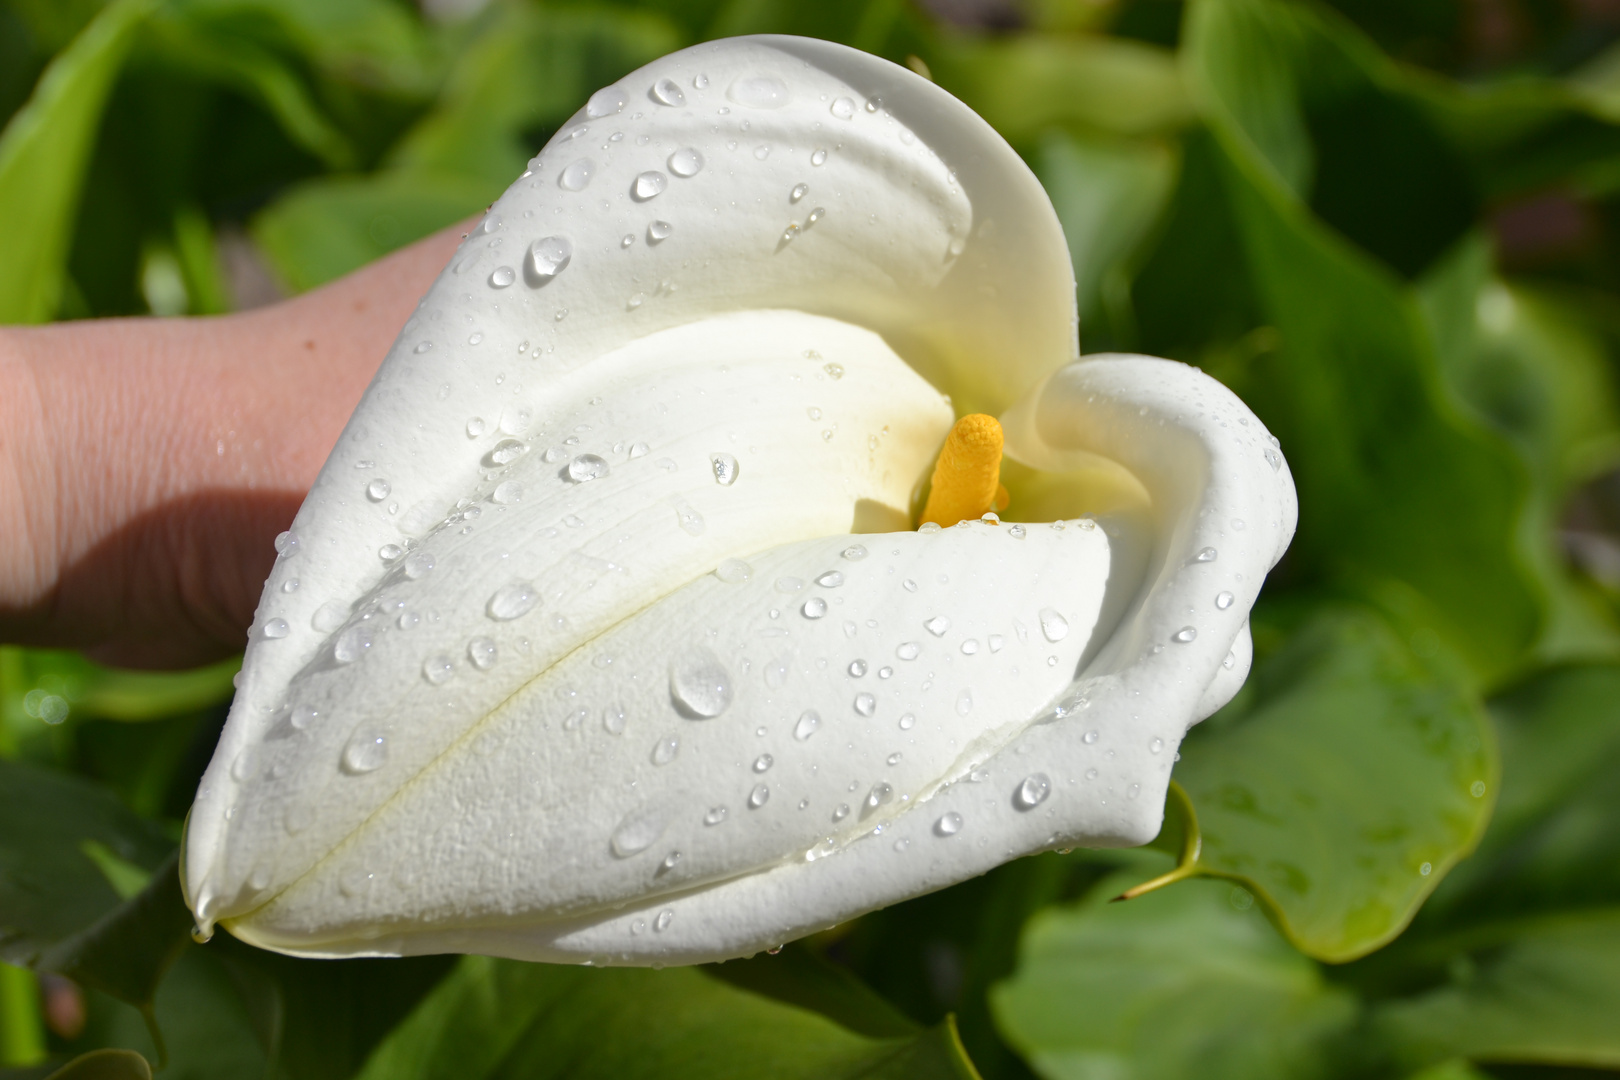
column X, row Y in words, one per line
column 610, row 638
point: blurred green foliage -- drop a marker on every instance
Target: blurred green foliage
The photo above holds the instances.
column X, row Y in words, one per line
column 1385, row 223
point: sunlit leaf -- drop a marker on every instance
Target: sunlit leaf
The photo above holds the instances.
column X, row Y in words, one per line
column 498, row 1018
column 43, row 154
column 1343, row 786
column 1179, row 983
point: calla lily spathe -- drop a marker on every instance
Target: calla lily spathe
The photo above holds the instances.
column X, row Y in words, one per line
column 604, row 633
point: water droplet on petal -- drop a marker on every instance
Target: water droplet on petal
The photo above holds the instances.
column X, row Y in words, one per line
column 818, row 158
column 759, row 796
column 329, row 616
column 1184, row 635
column 725, row 469
column 512, row 601
column 502, row 277
column 964, row 702
column 587, row 467
column 799, row 191
column 377, row 490
column 857, row 668
column 668, row 92
column 276, row 628
column 577, row 176
column 475, row 427
column 351, row 645
column 715, row 816
column 878, row 796
column 246, row 765
column 814, row 608
column 686, row 162
column 438, row 670
column 854, row 553
column 843, row 108
column 937, row 626
column 1206, row 555
column 1032, row 792
column 908, row 650
column 390, row 552
column 648, row 185
column 865, row 704
column 830, row 580
column 690, row 521
column 549, row 257
column 665, row 749
column 507, row 493
column 1224, row 600
column 809, row 721
column 948, row 825
column 637, row 831
column 1273, row 459
column 1053, row 625
column 1016, row 532
column 700, row 684
column 483, row 653
column 1156, row 746
column 366, row 752
column 606, row 102
column 763, row 763
column 658, row 231
column 665, row 917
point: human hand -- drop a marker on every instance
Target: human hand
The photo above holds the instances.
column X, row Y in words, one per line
column 149, row 463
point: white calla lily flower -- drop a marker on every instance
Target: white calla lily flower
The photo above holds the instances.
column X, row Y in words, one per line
column 605, row 632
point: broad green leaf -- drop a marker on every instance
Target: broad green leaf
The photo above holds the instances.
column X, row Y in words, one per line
column 499, row 1018
column 1343, row 786
column 92, row 691
column 105, row 1065
column 1552, row 845
column 44, row 151
column 325, row 228
column 1545, row 992
column 528, row 71
column 50, row 889
column 1395, row 484
column 1026, row 84
column 1108, row 193
column 1180, row 983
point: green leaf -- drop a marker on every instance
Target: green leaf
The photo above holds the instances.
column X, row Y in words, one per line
column 1027, row 84
column 1179, row 983
column 1343, row 786
column 105, row 1065
column 1108, row 194
column 498, row 1018
column 1545, row 992
column 325, row 228
column 43, row 154
column 50, row 889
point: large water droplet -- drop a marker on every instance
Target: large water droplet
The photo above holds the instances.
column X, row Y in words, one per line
column 351, row 645
column 377, row 490
column 814, row 608
column 759, row 796
column 438, row 670
column 1053, row 625
column 668, row 92
column 475, row 427
column 878, row 796
column 865, row 704
column 507, row 451
column 937, row 626
column 637, row 831
column 512, row 601
column 1185, row 635
column 686, row 162
column 483, row 653
column 700, row 684
column 549, row 257
column 665, row 749
column 809, row 721
column 390, row 552
column 606, row 102
column 763, row 763
column 733, row 571
column 843, row 108
column 758, row 92
column 857, row 668
column 366, row 752
column 1224, row 600
column 648, row 185
column 1273, row 459
column 908, row 650
column 1032, row 792
column 690, row 521
column 659, row 231
column 587, row 467
column 725, row 469
column 502, row 277
column 276, row 628
column 577, row 176
column 948, row 825
column 507, row 493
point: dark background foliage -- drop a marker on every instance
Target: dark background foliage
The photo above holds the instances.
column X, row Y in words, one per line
column 1390, row 225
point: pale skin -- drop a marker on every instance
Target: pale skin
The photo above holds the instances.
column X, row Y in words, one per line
column 148, row 464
